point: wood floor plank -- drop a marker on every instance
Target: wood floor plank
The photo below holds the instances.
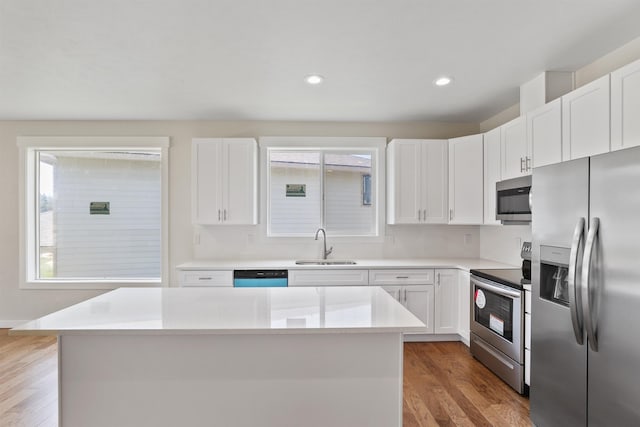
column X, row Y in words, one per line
column 443, row 386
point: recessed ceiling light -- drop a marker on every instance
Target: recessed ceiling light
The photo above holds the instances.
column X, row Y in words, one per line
column 442, row 81
column 314, row 79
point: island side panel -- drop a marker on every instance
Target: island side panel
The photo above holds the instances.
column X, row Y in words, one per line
column 315, row 380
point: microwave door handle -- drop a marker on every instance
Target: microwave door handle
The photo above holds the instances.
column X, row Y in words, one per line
column 496, row 290
column 573, row 282
column 588, row 303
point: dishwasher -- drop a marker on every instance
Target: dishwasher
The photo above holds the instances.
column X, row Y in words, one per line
column 260, row 278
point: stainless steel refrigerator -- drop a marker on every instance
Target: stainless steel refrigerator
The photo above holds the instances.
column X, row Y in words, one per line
column 585, row 367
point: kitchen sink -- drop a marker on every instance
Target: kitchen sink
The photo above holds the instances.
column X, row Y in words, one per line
column 325, row 262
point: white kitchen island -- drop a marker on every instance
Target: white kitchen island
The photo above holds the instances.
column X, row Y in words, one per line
column 328, row 356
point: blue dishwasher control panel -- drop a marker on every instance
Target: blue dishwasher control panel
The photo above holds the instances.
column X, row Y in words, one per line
column 260, row 278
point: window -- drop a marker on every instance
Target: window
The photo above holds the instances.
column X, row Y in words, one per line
column 323, row 182
column 95, row 215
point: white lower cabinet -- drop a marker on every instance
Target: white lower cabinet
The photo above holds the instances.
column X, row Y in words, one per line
column 418, row 299
column 205, row 278
column 326, row 277
column 464, row 305
column 413, row 288
column 446, row 302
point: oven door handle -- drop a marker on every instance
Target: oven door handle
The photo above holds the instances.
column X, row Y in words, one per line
column 496, row 289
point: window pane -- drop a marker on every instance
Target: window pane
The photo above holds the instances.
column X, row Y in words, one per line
column 99, row 214
column 346, row 208
column 295, row 197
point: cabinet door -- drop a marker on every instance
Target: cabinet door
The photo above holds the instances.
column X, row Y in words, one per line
column 514, row 149
column 585, row 120
column 240, row 171
column 435, row 204
column 466, row 180
column 492, row 174
column 404, row 192
column 464, row 307
column 394, row 291
column 206, row 181
column 328, row 277
column 446, row 302
column 544, row 133
column 419, row 300
column 625, row 107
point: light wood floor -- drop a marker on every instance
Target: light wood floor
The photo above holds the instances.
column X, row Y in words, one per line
column 443, row 385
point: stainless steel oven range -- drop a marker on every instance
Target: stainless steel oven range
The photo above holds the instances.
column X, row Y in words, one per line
column 497, row 323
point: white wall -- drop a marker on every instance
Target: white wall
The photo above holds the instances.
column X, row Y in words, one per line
column 415, row 241
column 503, row 243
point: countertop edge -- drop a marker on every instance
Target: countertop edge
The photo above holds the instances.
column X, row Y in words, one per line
column 465, row 264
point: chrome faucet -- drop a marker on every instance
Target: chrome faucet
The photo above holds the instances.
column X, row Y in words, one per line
column 325, row 252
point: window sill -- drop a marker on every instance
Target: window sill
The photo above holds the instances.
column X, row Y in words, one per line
column 90, row 284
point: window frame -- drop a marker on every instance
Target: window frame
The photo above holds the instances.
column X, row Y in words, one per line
column 376, row 145
column 29, row 146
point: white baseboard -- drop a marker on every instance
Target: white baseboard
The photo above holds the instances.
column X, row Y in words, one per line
column 432, row 337
column 11, row 323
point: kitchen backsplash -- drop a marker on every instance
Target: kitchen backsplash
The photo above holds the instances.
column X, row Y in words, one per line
column 503, row 243
column 400, row 241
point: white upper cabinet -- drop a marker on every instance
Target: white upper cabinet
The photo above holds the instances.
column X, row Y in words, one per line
column 466, row 180
column 625, row 107
column 516, row 153
column 417, row 182
column 224, row 181
column 492, row 174
column 544, row 133
column 585, row 120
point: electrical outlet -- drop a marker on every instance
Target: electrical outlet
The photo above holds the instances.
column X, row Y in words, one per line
column 196, row 238
column 467, row 239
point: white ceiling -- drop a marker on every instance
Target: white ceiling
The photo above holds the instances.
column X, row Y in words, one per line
column 246, row 59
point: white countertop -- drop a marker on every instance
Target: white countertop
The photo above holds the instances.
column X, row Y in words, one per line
column 230, row 311
column 459, row 263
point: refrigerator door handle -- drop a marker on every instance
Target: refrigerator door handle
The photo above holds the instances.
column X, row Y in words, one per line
column 573, row 281
column 587, row 295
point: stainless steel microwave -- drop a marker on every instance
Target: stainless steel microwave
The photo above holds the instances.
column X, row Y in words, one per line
column 513, row 200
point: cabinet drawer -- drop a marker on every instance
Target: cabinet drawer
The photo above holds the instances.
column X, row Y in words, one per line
column 527, row 301
column 401, row 277
column 527, row 367
column 527, row 331
column 328, row 277
column 205, row 278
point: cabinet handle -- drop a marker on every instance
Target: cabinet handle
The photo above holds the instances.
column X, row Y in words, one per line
column 450, row 214
column 522, row 162
column 205, row 278
column 404, row 291
column 225, row 214
column 528, row 163
column 219, row 217
column 402, row 277
column 424, row 215
column 419, row 211
column 438, row 279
